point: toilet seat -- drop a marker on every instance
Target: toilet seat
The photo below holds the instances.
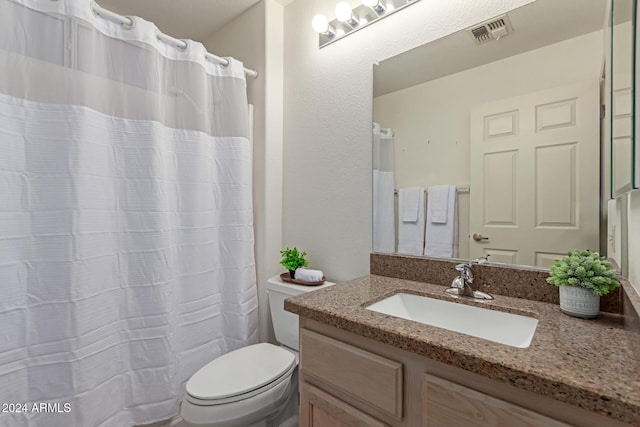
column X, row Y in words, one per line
column 240, row 374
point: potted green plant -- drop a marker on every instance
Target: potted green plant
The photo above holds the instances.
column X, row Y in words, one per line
column 292, row 259
column 582, row 276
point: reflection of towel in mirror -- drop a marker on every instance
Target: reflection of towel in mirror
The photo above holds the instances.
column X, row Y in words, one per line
column 411, row 234
column 410, row 198
column 308, row 275
column 438, row 203
column 440, row 237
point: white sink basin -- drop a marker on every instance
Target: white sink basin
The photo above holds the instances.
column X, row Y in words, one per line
column 505, row 328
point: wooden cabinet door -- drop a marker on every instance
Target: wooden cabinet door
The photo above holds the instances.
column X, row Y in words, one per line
column 367, row 377
column 448, row 404
column 320, row 409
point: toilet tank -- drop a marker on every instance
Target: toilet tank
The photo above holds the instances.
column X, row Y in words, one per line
column 285, row 324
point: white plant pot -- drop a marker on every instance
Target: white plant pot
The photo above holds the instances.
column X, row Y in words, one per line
column 579, row 302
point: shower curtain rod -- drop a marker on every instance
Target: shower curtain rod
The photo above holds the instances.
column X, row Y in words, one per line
column 180, row 44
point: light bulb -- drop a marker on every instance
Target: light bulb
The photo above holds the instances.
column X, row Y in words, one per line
column 343, row 12
column 320, row 24
column 376, row 5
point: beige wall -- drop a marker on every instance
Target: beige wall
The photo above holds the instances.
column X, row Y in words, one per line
column 431, row 121
column 328, row 119
column 256, row 38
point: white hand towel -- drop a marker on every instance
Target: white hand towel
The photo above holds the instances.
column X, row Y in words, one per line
column 409, row 198
column 438, row 203
column 411, row 234
column 308, row 275
column 441, row 238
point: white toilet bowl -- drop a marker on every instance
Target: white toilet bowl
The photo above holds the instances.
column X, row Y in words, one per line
column 254, row 386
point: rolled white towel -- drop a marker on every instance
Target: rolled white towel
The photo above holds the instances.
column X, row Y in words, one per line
column 307, row 275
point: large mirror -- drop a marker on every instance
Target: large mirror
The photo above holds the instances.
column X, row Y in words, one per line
column 502, row 129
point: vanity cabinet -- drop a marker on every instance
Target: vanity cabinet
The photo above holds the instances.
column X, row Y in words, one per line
column 350, row 380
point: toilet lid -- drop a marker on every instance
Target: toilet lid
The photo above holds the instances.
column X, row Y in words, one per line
column 240, row 372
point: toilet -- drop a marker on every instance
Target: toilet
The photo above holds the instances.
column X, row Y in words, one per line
column 254, row 386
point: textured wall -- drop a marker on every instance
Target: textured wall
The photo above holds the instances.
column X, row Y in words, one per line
column 328, row 119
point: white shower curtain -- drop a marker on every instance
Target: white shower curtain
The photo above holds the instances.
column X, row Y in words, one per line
column 126, row 230
column 384, row 232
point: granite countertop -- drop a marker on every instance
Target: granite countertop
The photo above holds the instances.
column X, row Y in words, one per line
column 587, row 363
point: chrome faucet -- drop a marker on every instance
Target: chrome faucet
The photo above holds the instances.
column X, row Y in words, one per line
column 461, row 285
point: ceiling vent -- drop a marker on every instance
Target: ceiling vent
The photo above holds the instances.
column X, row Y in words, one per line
column 493, row 29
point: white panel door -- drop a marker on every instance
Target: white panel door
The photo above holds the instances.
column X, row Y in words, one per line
column 621, row 137
column 535, row 175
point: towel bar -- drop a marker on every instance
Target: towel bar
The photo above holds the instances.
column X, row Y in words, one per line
column 459, row 189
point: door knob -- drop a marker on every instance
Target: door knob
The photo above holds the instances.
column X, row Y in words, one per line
column 478, row 237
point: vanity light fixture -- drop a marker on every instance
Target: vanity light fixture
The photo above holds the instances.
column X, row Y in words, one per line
column 349, row 20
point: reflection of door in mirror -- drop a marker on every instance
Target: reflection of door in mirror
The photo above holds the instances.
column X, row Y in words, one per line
column 426, row 95
column 622, row 58
column 545, row 145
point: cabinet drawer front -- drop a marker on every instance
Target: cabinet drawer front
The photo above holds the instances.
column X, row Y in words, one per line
column 365, row 376
column 451, row 404
column 320, row 409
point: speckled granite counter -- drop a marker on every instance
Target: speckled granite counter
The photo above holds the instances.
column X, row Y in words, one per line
column 588, row 363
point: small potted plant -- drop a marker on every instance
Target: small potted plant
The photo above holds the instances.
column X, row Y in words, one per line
column 582, row 276
column 293, row 259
